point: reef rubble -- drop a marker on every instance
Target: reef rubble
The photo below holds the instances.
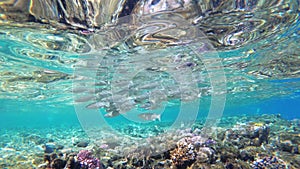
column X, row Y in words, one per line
column 260, row 142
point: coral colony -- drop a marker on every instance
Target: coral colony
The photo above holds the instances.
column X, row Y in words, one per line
column 267, row 142
column 86, row 159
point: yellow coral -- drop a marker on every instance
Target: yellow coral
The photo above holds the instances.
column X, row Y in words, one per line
column 257, row 124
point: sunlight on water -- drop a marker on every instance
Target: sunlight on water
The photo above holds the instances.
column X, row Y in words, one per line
column 141, row 75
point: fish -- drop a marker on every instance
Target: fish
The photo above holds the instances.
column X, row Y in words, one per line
column 141, row 97
column 97, row 105
column 174, row 93
column 114, row 98
column 126, row 106
column 104, row 93
column 150, row 116
column 84, row 99
column 101, row 83
column 79, row 89
column 111, row 114
column 149, row 86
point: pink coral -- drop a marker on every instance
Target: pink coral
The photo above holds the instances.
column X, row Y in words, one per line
column 86, row 159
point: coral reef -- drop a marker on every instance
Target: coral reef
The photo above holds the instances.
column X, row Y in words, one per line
column 58, row 161
column 266, row 141
column 83, row 160
column 271, row 162
column 193, row 149
column 87, row 160
column 247, row 134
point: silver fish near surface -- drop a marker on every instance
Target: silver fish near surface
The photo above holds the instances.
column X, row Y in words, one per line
column 149, row 86
column 126, row 106
column 84, row 98
column 104, row 93
column 141, row 97
column 150, row 116
column 111, row 114
column 79, row 89
column 97, row 105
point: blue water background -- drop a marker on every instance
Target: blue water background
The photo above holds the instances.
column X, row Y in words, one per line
column 27, row 114
column 39, row 114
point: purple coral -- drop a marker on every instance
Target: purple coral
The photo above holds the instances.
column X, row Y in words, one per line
column 269, row 162
column 87, row 160
column 209, row 142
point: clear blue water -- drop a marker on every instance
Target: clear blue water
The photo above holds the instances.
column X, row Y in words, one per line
column 31, row 97
column 15, row 113
column 39, row 68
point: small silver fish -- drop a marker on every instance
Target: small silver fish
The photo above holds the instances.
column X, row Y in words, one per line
column 84, row 98
column 111, row 114
column 149, row 86
column 97, row 105
column 79, row 89
column 141, row 97
column 149, row 116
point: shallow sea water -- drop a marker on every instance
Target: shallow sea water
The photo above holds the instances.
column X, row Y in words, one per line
column 229, row 69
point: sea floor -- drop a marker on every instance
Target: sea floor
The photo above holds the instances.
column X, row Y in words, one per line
column 258, row 142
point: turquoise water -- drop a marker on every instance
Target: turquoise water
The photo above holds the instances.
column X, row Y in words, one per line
column 15, row 113
column 65, row 84
column 37, row 69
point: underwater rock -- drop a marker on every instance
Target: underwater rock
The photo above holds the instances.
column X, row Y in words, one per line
column 269, row 162
column 295, row 161
column 207, row 166
column 233, row 164
column 245, row 155
column 251, row 134
column 66, row 151
column 287, row 141
column 37, row 139
column 227, row 152
column 71, row 163
column 43, row 165
column 205, row 155
column 193, row 149
column 58, row 163
column 137, row 162
column 286, row 146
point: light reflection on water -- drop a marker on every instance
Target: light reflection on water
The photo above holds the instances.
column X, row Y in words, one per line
column 60, row 58
column 257, row 42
